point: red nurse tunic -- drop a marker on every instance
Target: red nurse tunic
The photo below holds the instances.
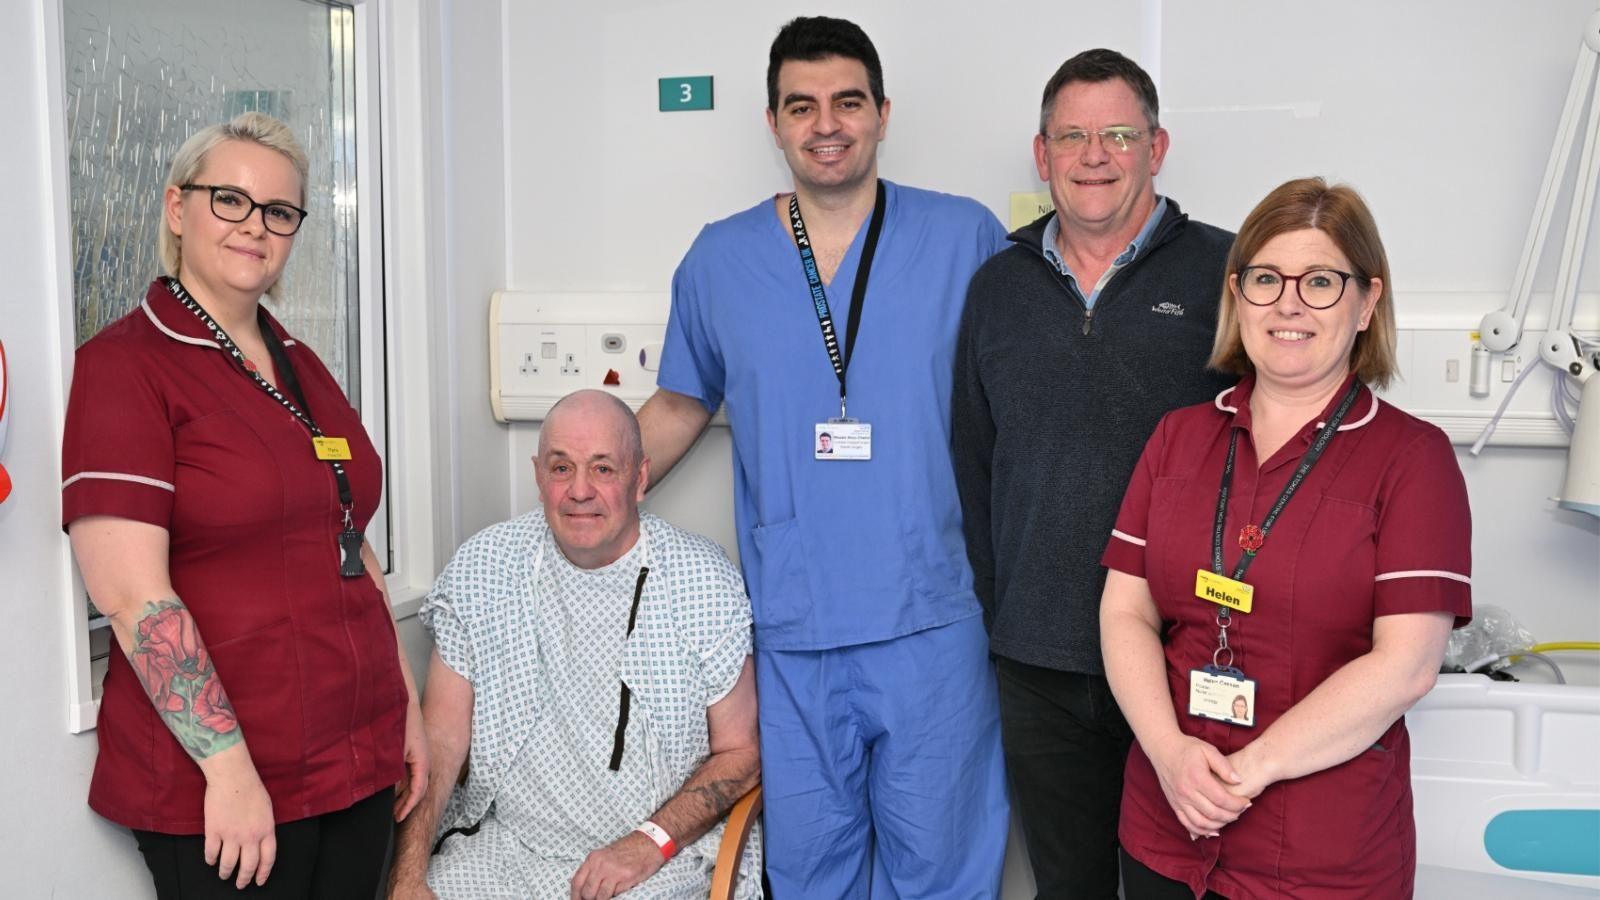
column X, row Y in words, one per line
column 164, row 427
column 1380, row 526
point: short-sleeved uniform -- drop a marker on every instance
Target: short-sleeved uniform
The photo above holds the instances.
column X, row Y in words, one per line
column 545, row 645
column 844, row 557
column 163, row 427
column 1379, row 527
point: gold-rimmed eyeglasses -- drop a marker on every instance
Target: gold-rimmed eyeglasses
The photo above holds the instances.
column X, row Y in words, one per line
column 1115, row 139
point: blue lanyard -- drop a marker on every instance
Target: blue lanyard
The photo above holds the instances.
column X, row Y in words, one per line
column 819, row 297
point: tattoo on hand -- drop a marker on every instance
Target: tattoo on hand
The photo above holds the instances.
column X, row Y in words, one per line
column 719, row 795
column 177, row 674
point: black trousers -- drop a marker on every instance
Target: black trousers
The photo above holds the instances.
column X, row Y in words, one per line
column 1065, row 744
column 335, row 856
column 1140, row 882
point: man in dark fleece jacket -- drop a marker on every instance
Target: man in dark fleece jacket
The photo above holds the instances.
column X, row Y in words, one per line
column 1073, row 344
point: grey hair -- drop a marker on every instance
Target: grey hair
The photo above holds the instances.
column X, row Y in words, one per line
column 187, row 163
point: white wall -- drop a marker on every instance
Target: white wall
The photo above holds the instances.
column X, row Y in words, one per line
column 475, row 172
column 50, row 843
column 1440, row 112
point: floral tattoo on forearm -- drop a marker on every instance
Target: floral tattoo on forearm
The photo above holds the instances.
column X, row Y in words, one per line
column 176, row 671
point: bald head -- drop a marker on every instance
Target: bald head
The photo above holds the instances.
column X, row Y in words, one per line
column 592, row 474
column 596, row 407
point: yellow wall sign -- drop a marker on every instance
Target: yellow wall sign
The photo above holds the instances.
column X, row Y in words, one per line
column 1026, row 206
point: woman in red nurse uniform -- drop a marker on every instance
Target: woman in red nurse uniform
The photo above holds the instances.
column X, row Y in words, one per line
column 1302, row 545
column 216, row 484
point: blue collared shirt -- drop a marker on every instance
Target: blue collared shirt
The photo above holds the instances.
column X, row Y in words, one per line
column 1052, row 229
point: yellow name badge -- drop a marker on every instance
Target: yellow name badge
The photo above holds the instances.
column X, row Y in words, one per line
column 1222, row 590
column 331, row 447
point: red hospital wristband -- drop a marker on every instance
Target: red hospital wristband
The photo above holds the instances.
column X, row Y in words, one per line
column 662, row 840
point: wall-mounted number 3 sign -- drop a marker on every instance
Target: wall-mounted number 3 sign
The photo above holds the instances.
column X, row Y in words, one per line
column 681, row 94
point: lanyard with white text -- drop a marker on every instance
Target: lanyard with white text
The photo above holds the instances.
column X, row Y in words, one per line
column 350, row 565
column 819, row 298
column 1252, row 537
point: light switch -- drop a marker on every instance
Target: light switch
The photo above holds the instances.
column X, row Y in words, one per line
column 1452, row 370
column 1508, row 370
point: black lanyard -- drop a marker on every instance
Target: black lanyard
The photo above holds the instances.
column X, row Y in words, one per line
column 1306, row 462
column 622, row 712
column 350, row 565
column 819, row 297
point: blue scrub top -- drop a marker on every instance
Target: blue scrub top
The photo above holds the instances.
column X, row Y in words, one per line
column 837, row 553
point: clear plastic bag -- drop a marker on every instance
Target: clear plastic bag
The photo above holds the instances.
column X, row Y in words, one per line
column 1493, row 632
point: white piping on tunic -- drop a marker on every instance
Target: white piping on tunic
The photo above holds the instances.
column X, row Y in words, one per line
column 198, row 342
column 1424, row 573
column 119, row 476
column 1128, row 537
column 1372, row 411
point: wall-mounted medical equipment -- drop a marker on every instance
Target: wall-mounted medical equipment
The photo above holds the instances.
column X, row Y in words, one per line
column 543, row 346
column 1574, row 357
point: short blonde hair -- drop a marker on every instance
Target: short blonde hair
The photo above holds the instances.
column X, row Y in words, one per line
column 1340, row 213
column 254, row 127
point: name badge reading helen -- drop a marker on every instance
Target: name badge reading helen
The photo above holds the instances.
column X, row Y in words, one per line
column 1222, row 590
column 331, row 447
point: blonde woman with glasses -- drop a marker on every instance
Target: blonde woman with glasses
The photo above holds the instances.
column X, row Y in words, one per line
column 260, row 715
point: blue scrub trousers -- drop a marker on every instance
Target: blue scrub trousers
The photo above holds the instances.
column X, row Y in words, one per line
column 882, row 770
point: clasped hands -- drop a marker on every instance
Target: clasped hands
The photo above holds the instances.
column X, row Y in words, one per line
column 1205, row 788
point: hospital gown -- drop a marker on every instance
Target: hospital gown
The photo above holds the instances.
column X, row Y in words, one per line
column 557, row 799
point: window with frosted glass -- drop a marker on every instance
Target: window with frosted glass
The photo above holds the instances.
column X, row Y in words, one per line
column 144, row 75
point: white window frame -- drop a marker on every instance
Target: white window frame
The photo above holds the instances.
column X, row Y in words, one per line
column 394, row 107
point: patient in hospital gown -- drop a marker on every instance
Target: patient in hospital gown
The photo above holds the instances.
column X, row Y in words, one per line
column 542, row 644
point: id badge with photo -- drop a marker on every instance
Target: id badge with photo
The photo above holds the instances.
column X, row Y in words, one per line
column 1224, row 694
column 842, row 439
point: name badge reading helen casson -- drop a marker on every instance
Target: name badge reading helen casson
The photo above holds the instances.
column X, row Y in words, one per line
column 331, row 447
column 1222, row 590
column 1222, row 694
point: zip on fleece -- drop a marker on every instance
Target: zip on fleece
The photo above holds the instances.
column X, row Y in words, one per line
column 1032, row 236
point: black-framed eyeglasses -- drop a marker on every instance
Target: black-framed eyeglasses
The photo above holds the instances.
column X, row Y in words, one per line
column 1318, row 288
column 233, row 205
column 1116, row 139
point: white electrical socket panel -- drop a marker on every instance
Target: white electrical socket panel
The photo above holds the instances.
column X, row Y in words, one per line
column 596, row 338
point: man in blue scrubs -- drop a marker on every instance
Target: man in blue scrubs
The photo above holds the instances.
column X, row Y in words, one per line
column 835, row 309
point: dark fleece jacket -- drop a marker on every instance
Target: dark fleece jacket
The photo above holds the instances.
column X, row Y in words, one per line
column 1052, row 406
